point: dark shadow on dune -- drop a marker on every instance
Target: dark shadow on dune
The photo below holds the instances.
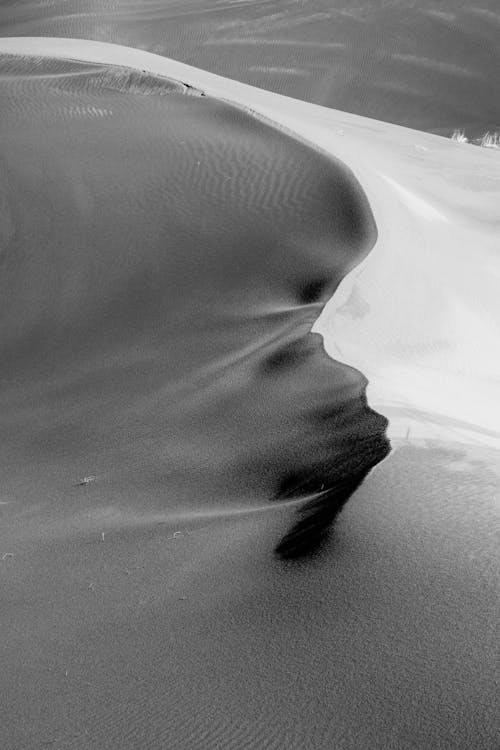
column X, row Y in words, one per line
column 316, row 517
column 165, row 256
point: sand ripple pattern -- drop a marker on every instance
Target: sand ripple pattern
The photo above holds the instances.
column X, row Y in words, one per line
column 224, row 158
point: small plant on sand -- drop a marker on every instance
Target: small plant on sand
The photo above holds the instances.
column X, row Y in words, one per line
column 490, row 140
column 459, row 136
column 87, row 480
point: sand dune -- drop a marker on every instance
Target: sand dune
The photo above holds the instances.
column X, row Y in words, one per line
column 169, row 237
column 177, row 252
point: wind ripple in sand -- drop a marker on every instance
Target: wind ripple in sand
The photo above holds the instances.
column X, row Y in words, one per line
column 153, row 237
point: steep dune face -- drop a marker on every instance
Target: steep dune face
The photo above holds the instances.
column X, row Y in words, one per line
column 168, row 256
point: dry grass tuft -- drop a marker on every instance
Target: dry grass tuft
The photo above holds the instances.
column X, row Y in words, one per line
column 488, row 140
column 459, row 136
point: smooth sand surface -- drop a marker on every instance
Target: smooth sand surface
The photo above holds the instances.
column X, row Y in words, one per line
column 165, row 254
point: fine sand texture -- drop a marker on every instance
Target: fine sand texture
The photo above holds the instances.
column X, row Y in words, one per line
column 431, row 65
column 172, row 432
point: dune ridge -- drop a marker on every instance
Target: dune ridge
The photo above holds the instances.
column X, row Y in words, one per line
column 186, row 274
column 468, row 217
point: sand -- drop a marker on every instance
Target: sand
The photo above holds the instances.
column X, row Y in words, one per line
column 166, row 255
column 429, row 65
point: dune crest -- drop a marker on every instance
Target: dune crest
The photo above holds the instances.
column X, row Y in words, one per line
column 462, row 197
column 178, row 248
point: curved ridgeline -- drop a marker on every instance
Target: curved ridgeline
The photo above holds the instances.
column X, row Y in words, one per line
column 165, row 256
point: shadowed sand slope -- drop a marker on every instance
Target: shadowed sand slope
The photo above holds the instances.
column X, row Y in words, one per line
column 429, row 65
column 165, row 257
column 168, row 417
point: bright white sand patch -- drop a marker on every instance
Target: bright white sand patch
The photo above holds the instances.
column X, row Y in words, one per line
column 420, row 316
